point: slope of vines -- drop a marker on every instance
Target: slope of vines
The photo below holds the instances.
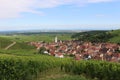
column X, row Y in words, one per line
column 28, row 67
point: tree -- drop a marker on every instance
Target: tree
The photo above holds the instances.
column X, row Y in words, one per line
column 41, row 50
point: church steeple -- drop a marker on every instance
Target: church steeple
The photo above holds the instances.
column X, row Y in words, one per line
column 56, row 40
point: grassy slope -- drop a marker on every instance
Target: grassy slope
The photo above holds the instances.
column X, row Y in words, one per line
column 115, row 39
column 4, row 42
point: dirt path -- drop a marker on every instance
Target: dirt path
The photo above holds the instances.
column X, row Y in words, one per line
column 9, row 46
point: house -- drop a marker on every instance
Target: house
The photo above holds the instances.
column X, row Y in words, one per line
column 59, row 55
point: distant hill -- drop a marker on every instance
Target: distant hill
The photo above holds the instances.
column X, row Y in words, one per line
column 98, row 36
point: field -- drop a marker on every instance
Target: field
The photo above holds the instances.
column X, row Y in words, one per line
column 21, row 62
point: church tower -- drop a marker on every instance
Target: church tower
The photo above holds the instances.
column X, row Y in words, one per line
column 56, row 40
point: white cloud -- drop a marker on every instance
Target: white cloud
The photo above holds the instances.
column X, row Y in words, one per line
column 13, row 8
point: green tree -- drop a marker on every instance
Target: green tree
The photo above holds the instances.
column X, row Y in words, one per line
column 41, row 50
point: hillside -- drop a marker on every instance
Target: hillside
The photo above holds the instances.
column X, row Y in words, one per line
column 98, row 36
column 4, row 42
column 116, row 38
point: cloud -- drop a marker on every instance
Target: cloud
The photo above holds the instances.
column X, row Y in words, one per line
column 14, row 8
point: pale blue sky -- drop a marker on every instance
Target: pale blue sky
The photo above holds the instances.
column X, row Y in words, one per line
column 59, row 14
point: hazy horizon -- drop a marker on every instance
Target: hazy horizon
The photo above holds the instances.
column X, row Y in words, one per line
column 55, row 30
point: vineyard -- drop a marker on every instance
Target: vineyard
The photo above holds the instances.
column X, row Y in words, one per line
column 21, row 62
column 13, row 67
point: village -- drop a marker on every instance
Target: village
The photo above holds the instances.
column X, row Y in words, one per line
column 81, row 50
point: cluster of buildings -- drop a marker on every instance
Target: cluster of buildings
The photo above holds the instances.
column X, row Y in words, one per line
column 81, row 50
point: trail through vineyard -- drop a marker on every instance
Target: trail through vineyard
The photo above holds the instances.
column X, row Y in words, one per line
column 10, row 45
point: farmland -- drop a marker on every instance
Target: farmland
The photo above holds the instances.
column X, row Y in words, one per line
column 22, row 62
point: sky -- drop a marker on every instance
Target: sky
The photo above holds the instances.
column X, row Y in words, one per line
column 59, row 14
